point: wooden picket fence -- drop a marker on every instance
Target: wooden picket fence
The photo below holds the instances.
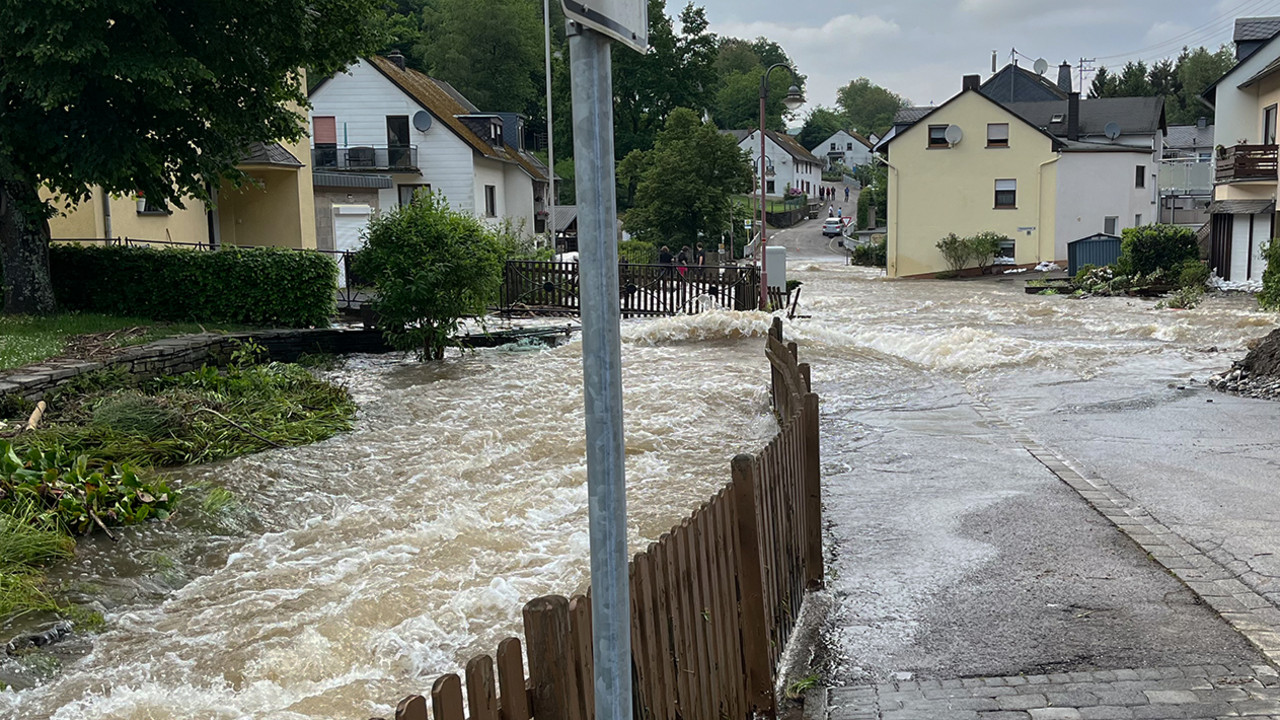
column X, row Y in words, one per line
column 544, row 287
column 713, row 601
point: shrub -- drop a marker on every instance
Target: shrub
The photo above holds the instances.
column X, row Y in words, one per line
column 872, row 254
column 267, row 286
column 955, row 251
column 983, row 247
column 637, row 252
column 1269, row 297
column 1194, row 274
column 1146, row 249
column 430, row 268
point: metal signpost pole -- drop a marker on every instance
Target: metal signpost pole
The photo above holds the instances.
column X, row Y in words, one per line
column 593, row 163
column 551, row 142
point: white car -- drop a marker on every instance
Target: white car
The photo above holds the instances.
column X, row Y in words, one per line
column 832, row 227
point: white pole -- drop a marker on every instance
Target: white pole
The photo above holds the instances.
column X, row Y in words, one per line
column 551, row 134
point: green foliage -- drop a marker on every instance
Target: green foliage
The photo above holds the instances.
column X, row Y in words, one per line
column 1269, row 297
column 265, row 286
column 1083, row 274
column 821, row 124
column 684, row 185
column 1179, row 81
column 431, row 268
column 797, row 689
column 874, row 178
column 1194, row 274
column 638, row 252
column 490, row 51
column 978, row 250
column 1187, row 297
column 955, row 251
column 873, row 254
column 137, row 414
column 26, row 339
column 868, row 107
column 1146, row 249
column 75, row 496
column 738, row 66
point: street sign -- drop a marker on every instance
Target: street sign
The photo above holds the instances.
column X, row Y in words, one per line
column 626, row 21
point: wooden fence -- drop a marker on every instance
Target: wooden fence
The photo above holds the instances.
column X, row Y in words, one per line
column 713, row 601
column 644, row 290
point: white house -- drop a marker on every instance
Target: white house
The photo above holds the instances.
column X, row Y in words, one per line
column 845, row 148
column 382, row 132
column 788, row 166
column 1105, row 182
column 1243, row 212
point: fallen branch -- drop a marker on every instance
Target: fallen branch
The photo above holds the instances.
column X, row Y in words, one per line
column 98, row 520
column 240, row 427
column 36, row 415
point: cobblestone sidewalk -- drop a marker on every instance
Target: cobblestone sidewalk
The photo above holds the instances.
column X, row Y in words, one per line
column 1202, row 691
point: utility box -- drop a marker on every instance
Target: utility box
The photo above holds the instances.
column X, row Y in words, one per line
column 1100, row 249
column 775, row 266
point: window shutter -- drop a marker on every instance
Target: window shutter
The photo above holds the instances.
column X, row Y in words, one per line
column 325, row 131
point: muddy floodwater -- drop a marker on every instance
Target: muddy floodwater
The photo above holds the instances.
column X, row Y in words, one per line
column 350, row 573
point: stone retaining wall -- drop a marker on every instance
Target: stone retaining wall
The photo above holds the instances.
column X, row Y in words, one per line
column 172, row 356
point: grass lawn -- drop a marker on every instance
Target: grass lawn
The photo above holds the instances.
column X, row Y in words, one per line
column 773, row 205
column 25, row 340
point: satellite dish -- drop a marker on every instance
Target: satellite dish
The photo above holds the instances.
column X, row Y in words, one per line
column 954, row 134
column 1111, row 130
column 1041, row 66
column 422, row 120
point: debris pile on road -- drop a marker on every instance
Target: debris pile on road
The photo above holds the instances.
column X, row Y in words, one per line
column 1257, row 375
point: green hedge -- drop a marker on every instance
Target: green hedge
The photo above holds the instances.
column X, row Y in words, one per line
column 275, row 287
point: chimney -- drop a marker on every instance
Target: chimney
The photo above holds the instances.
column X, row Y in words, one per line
column 395, row 57
column 971, row 82
column 1202, row 122
column 1064, row 77
column 1073, row 116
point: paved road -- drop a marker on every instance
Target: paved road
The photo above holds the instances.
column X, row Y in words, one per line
column 806, row 242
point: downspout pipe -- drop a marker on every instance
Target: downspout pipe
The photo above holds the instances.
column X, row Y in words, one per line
column 1040, row 206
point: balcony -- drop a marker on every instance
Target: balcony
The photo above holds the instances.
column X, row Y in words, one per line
column 366, row 157
column 1186, row 176
column 1246, row 163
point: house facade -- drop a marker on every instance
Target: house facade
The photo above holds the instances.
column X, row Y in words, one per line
column 1041, row 173
column 846, row 148
column 382, row 132
column 787, row 164
column 272, row 209
column 1245, row 101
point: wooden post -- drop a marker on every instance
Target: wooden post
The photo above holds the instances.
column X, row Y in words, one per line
column 813, row 494
column 482, row 695
column 758, row 676
column 808, row 377
column 551, row 675
column 446, row 698
column 514, row 700
column 413, row 707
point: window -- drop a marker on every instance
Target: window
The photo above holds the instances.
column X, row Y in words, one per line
column 1140, row 176
column 1006, row 193
column 1269, row 126
column 495, row 133
column 833, row 146
column 147, row 207
column 998, row 135
column 324, row 131
column 938, row 136
column 490, row 201
column 768, row 188
column 1057, row 119
column 412, row 193
column 849, row 146
column 1109, row 224
column 397, row 131
column 1137, row 220
column 1008, row 249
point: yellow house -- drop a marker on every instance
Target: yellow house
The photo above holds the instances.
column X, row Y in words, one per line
column 970, row 165
column 274, row 207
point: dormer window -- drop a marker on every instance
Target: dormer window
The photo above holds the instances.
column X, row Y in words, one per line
column 495, row 133
column 1057, row 119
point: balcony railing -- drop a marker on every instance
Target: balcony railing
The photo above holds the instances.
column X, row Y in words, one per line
column 1186, row 177
column 365, row 157
column 1240, row 163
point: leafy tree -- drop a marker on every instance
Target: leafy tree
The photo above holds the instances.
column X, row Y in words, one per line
column 1197, row 70
column 491, row 50
column 1133, row 81
column 869, row 107
column 821, row 124
column 685, row 183
column 1180, row 82
column 739, row 64
column 874, row 178
column 1104, row 84
column 160, row 97
column 431, row 267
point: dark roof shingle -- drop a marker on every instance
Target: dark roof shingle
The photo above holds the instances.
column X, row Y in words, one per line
column 1256, row 28
column 1135, row 115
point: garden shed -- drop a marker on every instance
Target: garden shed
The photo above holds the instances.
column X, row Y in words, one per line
column 1101, row 249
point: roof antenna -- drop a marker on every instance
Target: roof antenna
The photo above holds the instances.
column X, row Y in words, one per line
column 993, row 61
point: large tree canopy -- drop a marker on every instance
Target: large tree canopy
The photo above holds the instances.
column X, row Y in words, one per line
column 821, row 124
column 738, row 66
column 492, row 51
column 158, row 96
column 1179, row 81
column 683, row 185
column 869, row 107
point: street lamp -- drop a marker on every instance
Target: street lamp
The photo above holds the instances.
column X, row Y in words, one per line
column 792, row 101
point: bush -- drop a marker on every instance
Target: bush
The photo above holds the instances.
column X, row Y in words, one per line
column 873, row 254
column 430, row 268
column 268, row 286
column 1146, row 249
column 984, row 246
column 1269, row 297
column 1194, row 274
column 637, row 252
column 955, row 251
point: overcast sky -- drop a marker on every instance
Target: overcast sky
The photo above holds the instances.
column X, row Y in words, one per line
column 921, row 48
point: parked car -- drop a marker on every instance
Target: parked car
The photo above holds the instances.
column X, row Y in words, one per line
column 832, row 227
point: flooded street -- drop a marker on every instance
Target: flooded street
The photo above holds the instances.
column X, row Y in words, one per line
column 352, row 572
